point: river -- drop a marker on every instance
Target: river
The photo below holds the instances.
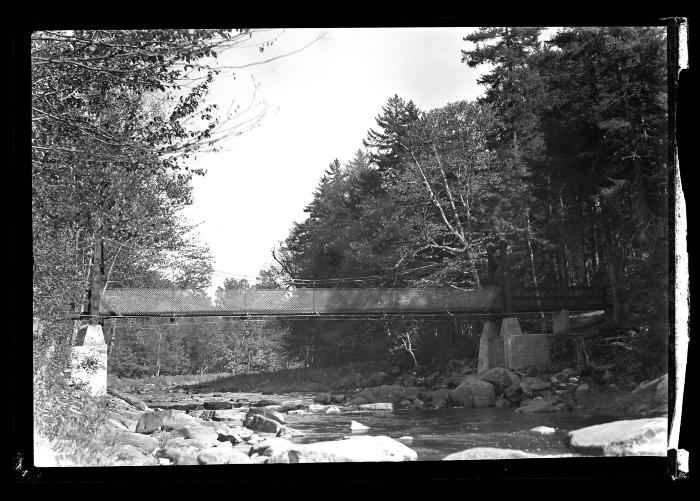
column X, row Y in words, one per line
column 439, row 432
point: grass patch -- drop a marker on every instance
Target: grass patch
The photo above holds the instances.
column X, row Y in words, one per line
column 73, row 423
column 287, row 380
column 126, row 384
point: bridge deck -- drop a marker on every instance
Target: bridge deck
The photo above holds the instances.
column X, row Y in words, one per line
column 338, row 302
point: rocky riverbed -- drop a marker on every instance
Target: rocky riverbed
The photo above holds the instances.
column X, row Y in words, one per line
column 160, row 423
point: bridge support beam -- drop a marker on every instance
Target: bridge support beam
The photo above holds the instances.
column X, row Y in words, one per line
column 561, row 322
column 489, row 334
column 89, row 362
column 509, row 327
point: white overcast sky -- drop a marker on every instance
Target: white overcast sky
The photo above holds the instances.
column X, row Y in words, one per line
column 320, row 104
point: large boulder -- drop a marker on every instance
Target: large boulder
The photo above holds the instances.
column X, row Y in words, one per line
column 268, row 413
column 323, row 398
column 350, row 381
column 143, row 442
column 473, row 393
column 440, row 398
column 259, row 422
column 149, row 422
column 393, row 393
column 354, row 449
column 488, row 453
column 635, row 437
column 501, row 379
column 201, row 434
column 271, row 446
column 454, row 379
column 263, row 402
column 533, row 386
column 291, row 405
column 224, row 454
column 217, row 405
column 233, row 434
column 181, row 455
column 228, row 415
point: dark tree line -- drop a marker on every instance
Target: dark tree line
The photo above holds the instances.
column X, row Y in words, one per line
column 563, row 160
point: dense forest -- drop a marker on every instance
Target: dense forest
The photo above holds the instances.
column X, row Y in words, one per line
column 563, row 161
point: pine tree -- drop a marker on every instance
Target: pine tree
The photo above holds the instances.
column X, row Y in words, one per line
column 397, row 115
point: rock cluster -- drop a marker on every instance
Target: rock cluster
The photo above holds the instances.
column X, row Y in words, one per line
column 217, row 430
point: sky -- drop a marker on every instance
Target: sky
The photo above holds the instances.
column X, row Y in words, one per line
column 318, row 105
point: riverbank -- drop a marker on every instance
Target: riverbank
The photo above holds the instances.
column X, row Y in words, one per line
column 168, row 421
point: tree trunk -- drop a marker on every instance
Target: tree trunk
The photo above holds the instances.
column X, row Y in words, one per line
column 112, row 338
column 614, row 270
column 160, row 336
column 505, row 265
column 96, row 283
column 534, row 272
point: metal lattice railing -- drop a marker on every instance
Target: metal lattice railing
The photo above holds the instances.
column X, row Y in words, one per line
column 312, row 301
column 300, row 301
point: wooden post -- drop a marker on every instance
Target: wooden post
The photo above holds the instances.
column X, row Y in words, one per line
column 95, row 291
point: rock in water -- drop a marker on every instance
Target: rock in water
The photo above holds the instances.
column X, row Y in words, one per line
column 381, row 406
column 354, row 449
column 384, row 393
column 355, row 426
column 440, row 398
column 583, row 388
column 217, row 405
column 268, row 413
column 287, row 432
column 488, row 453
column 292, row 405
column 543, row 430
column 531, row 385
column 323, row 398
column 634, row 437
column 258, row 422
column 473, row 393
column 333, row 410
column 501, row 379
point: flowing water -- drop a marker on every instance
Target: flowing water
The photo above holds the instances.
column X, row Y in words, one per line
column 439, row 432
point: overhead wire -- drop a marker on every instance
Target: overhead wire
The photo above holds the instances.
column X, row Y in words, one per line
column 390, row 274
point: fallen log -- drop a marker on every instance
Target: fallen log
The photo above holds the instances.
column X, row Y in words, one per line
column 131, row 401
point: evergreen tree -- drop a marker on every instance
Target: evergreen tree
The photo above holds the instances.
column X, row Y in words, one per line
column 396, row 116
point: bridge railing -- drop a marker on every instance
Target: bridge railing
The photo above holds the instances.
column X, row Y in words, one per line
column 303, row 301
column 573, row 298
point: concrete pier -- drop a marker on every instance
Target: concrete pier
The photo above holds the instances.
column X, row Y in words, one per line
column 89, row 362
column 507, row 346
